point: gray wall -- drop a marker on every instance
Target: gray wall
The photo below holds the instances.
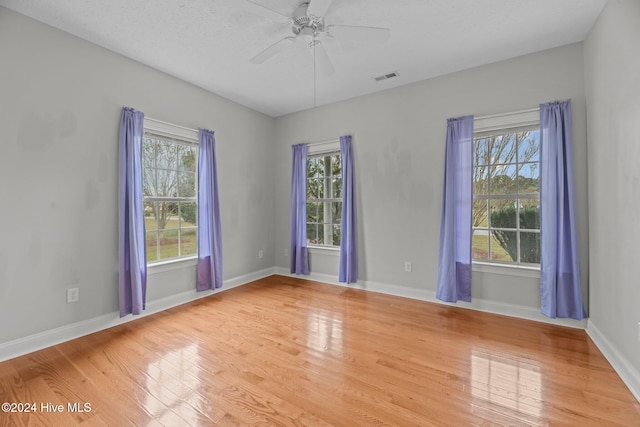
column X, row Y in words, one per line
column 612, row 68
column 398, row 138
column 60, row 103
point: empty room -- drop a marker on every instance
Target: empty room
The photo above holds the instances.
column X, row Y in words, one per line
column 323, row 212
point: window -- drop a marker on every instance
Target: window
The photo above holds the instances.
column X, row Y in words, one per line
column 324, row 198
column 506, row 194
column 170, row 158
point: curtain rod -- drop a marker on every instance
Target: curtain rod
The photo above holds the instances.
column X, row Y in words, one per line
column 510, row 113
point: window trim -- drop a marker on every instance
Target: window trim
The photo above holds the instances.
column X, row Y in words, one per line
column 492, row 124
column 183, row 136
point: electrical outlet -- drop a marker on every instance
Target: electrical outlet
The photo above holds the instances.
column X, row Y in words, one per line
column 73, row 295
column 286, row 252
column 407, row 266
column 260, row 253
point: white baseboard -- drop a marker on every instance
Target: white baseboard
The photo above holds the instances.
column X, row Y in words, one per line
column 627, row 372
column 512, row 310
column 31, row 343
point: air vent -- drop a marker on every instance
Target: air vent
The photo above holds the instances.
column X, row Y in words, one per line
column 386, row 76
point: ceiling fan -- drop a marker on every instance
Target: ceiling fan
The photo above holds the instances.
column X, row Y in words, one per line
column 308, row 26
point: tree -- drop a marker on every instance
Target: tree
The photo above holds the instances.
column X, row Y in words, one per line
column 169, row 172
column 529, row 241
column 495, row 172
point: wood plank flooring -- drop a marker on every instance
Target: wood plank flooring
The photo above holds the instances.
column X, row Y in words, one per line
column 284, row 351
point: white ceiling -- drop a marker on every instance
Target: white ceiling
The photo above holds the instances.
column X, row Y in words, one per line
column 209, row 42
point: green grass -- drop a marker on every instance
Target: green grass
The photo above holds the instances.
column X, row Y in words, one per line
column 172, row 244
column 479, row 249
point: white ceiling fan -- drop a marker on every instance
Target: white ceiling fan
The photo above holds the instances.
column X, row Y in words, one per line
column 308, row 26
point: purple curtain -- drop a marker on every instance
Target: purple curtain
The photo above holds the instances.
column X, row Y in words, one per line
column 132, row 249
column 348, row 236
column 454, row 266
column 560, row 290
column 209, row 230
column 299, row 256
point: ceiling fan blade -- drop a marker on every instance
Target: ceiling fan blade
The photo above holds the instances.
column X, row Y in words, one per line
column 318, row 8
column 322, row 59
column 272, row 50
column 350, row 34
column 267, row 12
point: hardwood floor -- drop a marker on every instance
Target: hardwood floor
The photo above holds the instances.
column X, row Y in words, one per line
column 284, row 351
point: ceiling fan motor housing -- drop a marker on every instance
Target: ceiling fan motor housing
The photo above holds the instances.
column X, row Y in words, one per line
column 304, row 23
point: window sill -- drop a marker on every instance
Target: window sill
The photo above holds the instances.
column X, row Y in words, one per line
column 510, row 270
column 324, row 250
column 172, row 264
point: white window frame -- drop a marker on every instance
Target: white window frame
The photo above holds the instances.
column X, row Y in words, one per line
column 505, row 123
column 179, row 135
column 318, row 149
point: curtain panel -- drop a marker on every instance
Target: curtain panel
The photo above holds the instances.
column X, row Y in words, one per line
column 560, row 290
column 299, row 255
column 209, row 229
column 348, row 272
column 132, row 249
column 454, row 265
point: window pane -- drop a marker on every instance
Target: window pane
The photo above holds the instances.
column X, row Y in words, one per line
column 149, row 182
column 187, row 157
column 529, row 214
column 530, row 247
column 336, row 208
column 148, row 153
column 480, row 208
column 336, row 165
column 503, row 213
column 312, row 168
column 166, row 212
column 152, row 251
column 481, row 152
column 336, row 235
column 312, row 211
column 150, row 210
column 188, row 214
column 337, row 187
column 529, row 147
column 502, row 149
column 504, row 245
column 480, row 180
column 318, row 167
column 315, row 188
column 312, row 233
column 188, row 241
column 480, row 245
column 186, row 184
column 529, row 178
column 166, row 183
column 320, row 234
column 169, row 247
column 503, row 179
column 166, row 155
